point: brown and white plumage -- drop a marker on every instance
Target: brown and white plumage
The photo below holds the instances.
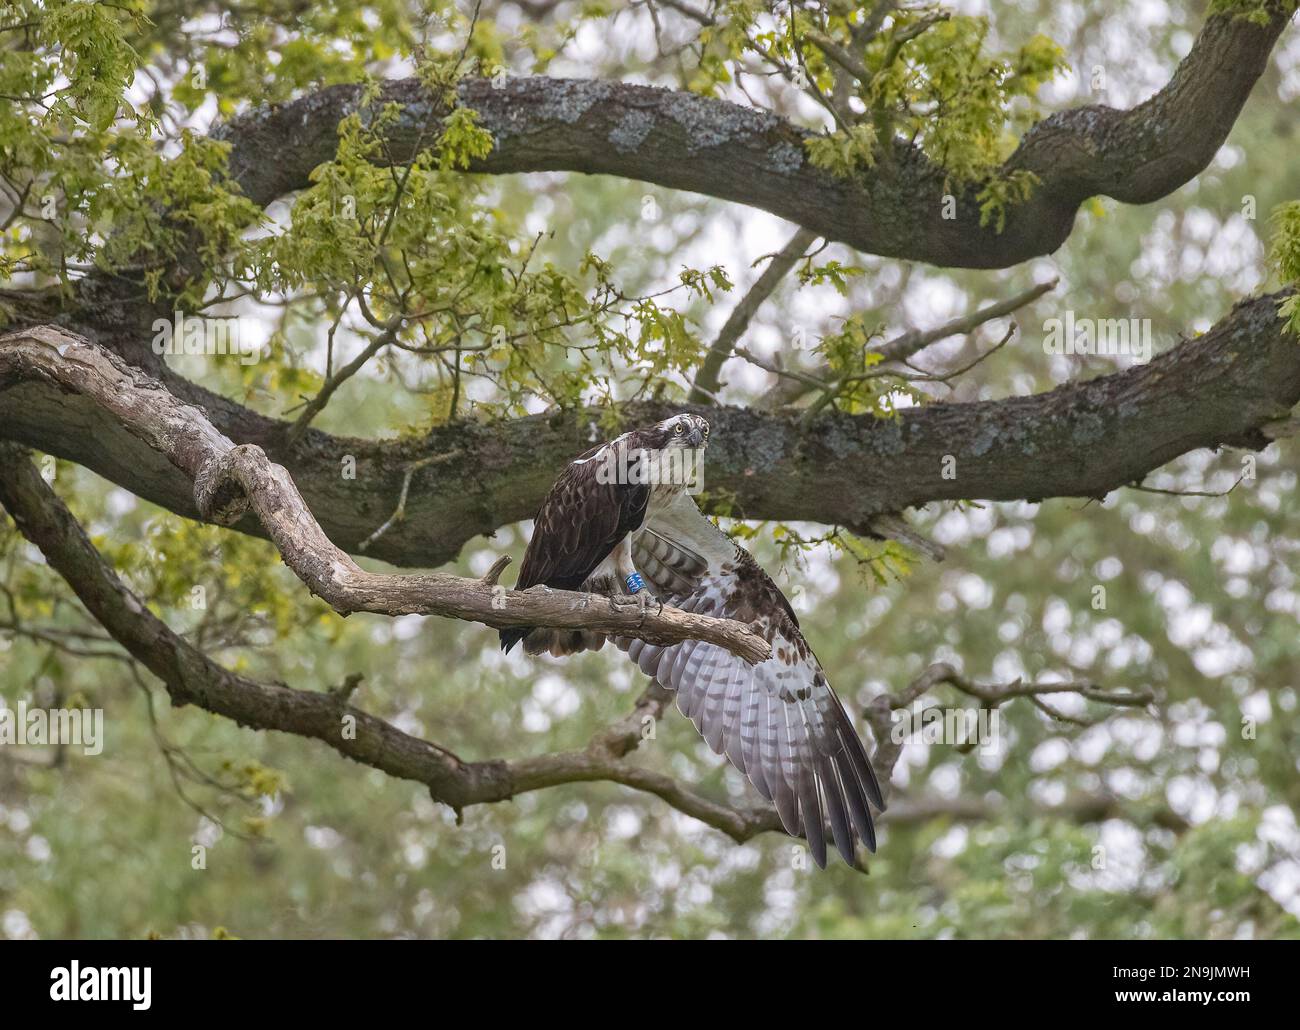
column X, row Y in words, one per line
column 579, row 526
column 779, row 722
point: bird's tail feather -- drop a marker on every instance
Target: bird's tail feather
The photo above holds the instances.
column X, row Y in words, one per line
column 558, row 642
column 512, row 635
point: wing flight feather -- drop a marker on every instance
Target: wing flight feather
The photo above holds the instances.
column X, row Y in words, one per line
column 779, row 722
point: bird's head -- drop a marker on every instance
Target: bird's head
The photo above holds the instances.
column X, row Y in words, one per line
column 668, row 455
column 685, row 430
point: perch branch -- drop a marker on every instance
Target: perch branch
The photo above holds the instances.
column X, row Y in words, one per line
column 230, row 480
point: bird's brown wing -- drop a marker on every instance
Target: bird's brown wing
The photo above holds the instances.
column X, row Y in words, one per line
column 583, row 518
column 579, row 523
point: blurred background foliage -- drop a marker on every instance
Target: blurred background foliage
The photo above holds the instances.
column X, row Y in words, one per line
column 1198, row 837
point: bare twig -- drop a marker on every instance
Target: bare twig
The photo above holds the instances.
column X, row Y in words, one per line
column 694, row 14
column 880, row 712
column 907, row 344
column 707, row 379
column 1188, row 493
column 333, row 382
column 902, row 347
column 399, row 513
column 839, row 55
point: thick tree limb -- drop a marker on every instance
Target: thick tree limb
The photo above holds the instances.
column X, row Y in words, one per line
column 754, row 158
column 191, row 677
column 230, row 480
column 657, row 135
column 684, row 141
column 728, row 151
column 1234, row 386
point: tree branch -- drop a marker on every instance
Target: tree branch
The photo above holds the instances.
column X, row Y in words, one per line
column 727, row 151
column 693, row 143
column 889, row 744
column 1234, row 385
column 230, row 480
column 707, row 378
column 191, row 677
column 790, row 388
column 316, row 404
column 684, row 141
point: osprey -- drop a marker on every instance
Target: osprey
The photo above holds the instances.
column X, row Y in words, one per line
column 620, row 521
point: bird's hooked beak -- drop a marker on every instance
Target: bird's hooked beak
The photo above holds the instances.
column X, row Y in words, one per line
column 696, row 437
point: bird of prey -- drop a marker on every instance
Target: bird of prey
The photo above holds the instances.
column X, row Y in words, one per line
column 621, row 521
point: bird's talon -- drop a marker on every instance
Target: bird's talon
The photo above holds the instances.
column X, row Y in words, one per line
column 644, row 598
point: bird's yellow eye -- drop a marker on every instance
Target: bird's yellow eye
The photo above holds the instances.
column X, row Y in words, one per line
column 679, row 429
column 706, row 430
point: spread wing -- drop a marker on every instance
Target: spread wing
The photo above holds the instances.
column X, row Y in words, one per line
column 779, row 722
